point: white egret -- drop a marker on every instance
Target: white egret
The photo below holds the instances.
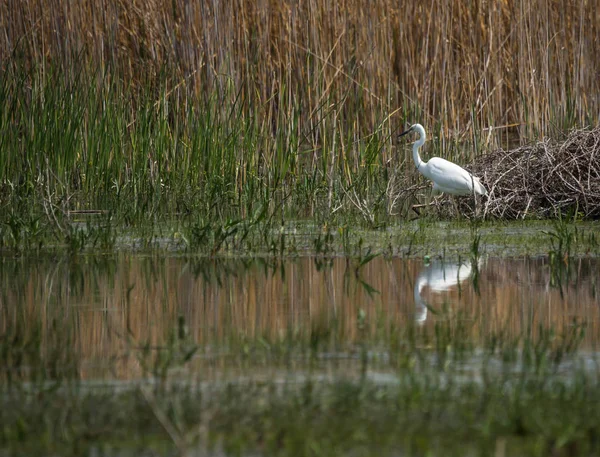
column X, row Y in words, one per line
column 446, row 176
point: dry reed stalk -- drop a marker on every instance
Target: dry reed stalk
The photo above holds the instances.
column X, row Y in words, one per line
column 492, row 63
column 545, row 178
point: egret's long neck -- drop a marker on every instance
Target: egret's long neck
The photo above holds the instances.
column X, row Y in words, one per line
column 420, row 283
column 420, row 142
column 420, row 303
column 416, row 156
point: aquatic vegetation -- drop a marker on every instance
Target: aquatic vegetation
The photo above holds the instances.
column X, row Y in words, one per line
column 424, row 409
column 294, row 134
column 562, row 238
column 147, row 352
column 207, row 244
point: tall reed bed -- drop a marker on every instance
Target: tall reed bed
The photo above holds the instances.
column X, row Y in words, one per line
column 461, row 66
column 218, row 110
column 92, row 142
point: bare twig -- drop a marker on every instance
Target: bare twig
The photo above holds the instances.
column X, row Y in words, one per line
column 543, row 178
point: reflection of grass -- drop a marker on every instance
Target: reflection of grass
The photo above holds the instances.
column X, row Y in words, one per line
column 426, row 409
column 446, row 387
column 563, row 237
column 443, row 394
column 37, row 346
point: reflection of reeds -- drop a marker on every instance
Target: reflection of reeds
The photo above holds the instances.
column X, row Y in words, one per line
column 100, row 316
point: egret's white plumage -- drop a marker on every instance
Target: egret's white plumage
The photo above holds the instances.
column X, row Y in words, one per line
column 446, row 176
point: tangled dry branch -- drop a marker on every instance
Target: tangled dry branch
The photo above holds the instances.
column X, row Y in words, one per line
column 544, row 179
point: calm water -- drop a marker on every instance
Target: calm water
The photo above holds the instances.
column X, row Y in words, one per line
column 109, row 309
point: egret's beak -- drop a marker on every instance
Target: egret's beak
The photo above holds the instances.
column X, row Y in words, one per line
column 405, row 132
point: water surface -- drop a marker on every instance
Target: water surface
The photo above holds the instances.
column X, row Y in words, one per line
column 107, row 317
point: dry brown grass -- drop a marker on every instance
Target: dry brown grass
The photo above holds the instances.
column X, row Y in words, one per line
column 544, row 179
column 449, row 64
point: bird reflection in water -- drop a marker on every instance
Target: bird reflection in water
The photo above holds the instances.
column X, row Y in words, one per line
column 438, row 277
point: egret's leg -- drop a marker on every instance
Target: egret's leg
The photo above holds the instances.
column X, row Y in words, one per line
column 435, row 195
column 417, row 208
column 453, row 198
column 475, row 204
column 476, row 207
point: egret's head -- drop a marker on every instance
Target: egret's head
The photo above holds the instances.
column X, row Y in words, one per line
column 407, row 131
column 418, row 128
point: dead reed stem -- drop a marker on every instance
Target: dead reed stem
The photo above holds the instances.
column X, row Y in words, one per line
column 544, row 179
column 448, row 63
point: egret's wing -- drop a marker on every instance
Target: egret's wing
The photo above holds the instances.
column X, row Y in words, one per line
column 449, row 176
